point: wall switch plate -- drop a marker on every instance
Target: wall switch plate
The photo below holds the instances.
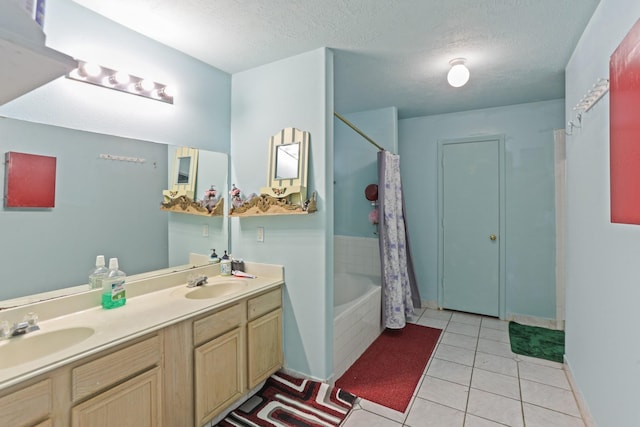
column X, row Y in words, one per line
column 260, row 236
column 205, row 230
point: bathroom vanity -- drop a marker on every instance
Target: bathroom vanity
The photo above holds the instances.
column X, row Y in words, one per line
column 173, row 355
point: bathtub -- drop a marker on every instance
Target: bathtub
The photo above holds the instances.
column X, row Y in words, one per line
column 356, row 320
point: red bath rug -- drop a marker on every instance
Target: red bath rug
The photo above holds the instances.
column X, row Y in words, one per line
column 291, row 401
column 389, row 370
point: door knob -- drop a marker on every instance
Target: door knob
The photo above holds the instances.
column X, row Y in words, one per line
column 492, row 237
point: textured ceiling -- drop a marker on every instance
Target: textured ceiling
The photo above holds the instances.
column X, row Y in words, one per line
column 387, row 52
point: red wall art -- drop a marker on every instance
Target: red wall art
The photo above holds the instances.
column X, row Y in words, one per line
column 624, row 145
column 30, row 181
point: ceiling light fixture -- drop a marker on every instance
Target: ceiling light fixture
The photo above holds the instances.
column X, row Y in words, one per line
column 459, row 73
column 120, row 81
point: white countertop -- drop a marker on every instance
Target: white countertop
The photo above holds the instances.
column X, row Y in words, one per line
column 147, row 309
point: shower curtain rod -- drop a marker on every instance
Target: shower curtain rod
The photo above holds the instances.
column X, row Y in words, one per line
column 352, row 126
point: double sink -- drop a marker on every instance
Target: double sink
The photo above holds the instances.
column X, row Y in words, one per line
column 35, row 345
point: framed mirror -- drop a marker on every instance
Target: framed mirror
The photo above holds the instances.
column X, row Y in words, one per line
column 288, row 165
column 183, row 181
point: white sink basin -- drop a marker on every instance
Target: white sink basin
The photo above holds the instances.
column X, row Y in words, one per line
column 218, row 289
column 34, row 345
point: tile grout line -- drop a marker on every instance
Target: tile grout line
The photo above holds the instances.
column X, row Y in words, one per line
column 473, row 366
column 524, row 422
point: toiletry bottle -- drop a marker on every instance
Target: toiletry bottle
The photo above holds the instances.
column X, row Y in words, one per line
column 113, row 291
column 225, row 265
column 214, row 257
column 97, row 274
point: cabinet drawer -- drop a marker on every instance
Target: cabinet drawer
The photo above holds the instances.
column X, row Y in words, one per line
column 115, row 367
column 26, row 406
column 216, row 324
column 264, row 303
column 136, row 402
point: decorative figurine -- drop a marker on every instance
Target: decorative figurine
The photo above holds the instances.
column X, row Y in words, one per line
column 236, row 200
column 209, row 201
column 210, row 193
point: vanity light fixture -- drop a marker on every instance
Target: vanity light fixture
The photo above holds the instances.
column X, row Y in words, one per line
column 113, row 79
column 458, row 75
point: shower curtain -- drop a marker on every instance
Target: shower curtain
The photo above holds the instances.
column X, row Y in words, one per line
column 399, row 287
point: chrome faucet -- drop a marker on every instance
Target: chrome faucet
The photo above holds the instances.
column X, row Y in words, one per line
column 196, row 281
column 29, row 324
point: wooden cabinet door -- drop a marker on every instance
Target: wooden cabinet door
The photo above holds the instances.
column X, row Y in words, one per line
column 27, row 406
column 264, row 341
column 219, row 374
column 134, row 403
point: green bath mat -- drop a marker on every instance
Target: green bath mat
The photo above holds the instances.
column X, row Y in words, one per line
column 537, row 342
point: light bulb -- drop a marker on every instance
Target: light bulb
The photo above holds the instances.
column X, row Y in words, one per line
column 169, row 91
column 458, row 74
column 117, row 78
column 90, row 70
column 146, row 85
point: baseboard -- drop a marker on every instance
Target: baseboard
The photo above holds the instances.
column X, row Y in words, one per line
column 429, row 304
column 525, row 320
column 536, row 321
column 294, row 373
column 582, row 403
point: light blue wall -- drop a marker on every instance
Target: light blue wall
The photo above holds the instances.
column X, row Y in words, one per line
column 530, row 205
column 199, row 117
column 294, row 92
column 603, row 292
column 102, row 207
column 355, row 167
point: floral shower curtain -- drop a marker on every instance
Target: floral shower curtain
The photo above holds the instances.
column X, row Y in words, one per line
column 399, row 287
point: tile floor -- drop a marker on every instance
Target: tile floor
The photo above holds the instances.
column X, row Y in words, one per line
column 474, row 380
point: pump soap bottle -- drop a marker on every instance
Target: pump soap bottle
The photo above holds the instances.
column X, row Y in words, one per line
column 113, row 290
column 214, row 257
column 225, row 265
column 97, row 274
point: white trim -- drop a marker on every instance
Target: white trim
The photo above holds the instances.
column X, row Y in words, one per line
column 560, row 184
column 536, row 321
column 429, row 304
column 580, row 400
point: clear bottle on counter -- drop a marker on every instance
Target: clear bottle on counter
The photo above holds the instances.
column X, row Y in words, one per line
column 98, row 273
column 113, row 286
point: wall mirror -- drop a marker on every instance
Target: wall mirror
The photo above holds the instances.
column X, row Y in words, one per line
column 104, row 206
column 287, row 159
column 184, row 165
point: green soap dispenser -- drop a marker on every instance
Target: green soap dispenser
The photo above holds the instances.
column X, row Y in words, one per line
column 113, row 290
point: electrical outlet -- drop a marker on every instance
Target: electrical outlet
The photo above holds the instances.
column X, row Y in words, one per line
column 260, row 237
column 205, row 230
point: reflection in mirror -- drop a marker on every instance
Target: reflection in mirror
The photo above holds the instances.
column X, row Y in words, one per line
column 183, row 170
column 287, row 161
column 186, row 231
column 102, row 207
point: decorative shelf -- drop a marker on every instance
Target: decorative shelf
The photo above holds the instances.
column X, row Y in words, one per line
column 183, row 204
column 265, row 205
